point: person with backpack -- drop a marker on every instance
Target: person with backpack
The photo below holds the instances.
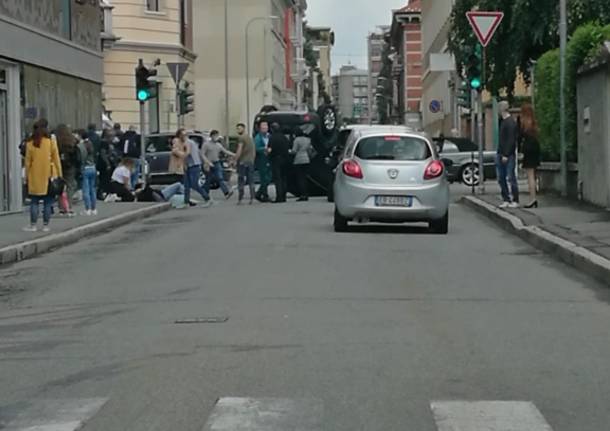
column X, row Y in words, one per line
column 89, row 174
column 70, row 165
column 130, row 146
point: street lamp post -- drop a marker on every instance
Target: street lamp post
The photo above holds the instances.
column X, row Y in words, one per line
column 258, row 18
column 563, row 37
column 227, row 119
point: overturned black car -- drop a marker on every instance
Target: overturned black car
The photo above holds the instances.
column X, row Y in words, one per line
column 322, row 128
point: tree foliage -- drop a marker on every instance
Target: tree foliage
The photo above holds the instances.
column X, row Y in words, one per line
column 529, row 29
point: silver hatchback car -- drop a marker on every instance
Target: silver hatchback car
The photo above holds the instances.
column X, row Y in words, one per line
column 391, row 176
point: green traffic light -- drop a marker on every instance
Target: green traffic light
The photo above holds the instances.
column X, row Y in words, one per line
column 143, row 95
column 475, row 83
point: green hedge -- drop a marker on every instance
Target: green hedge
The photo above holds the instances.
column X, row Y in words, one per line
column 584, row 43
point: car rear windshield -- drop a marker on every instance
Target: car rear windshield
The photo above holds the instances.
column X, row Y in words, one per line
column 393, row 148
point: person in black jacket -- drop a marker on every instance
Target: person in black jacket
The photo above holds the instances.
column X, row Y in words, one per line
column 506, row 160
column 530, row 147
column 279, row 155
column 130, row 149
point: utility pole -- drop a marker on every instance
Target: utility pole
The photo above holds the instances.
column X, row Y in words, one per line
column 563, row 36
column 227, row 119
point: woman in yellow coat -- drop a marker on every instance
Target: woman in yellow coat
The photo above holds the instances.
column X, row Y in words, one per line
column 41, row 164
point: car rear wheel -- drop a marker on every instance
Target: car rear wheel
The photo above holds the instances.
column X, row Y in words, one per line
column 440, row 226
column 340, row 222
column 470, row 175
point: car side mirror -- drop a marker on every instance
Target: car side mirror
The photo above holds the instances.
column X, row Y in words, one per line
column 448, row 163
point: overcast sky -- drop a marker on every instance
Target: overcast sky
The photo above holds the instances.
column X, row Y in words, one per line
column 351, row 20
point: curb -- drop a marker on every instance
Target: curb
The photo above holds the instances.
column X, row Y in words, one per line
column 570, row 253
column 28, row 249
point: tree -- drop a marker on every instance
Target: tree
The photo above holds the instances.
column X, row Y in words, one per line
column 529, row 29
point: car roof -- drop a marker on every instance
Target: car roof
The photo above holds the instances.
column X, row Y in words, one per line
column 286, row 113
column 397, row 130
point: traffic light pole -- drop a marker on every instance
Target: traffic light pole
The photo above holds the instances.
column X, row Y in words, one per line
column 143, row 170
column 481, row 138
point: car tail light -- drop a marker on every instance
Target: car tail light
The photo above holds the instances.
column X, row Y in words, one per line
column 392, row 138
column 306, row 118
column 351, row 168
column 434, row 170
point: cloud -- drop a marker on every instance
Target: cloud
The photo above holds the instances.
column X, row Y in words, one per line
column 352, row 20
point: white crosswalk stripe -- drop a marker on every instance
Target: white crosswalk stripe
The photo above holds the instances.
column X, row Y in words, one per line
column 55, row 415
column 488, row 416
column 265, row 414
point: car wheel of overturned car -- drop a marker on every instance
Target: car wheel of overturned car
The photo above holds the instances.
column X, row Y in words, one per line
column 328, row 117
column 340, row 222
column 470, row 175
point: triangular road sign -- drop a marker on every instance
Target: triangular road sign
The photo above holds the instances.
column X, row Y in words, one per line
column 177, row 70
column 484, row 24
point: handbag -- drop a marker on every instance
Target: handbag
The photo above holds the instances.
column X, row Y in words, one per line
column 56, row 187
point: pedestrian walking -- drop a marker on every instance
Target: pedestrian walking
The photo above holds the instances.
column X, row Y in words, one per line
column 120, row 184
column 211, row 151
column 506, row 159
column 130, row 146
column 261, row 142
column 107, row 160
column 279, row 156
column 70, row 166
column 177, row 158
column 42, row 166
column 89, row 174
column 244, row 158
column 530, row 147
column 301, row 148
column 193, row 174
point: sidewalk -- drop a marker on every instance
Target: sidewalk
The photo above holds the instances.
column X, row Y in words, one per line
column 576, row 232
column 16, row 245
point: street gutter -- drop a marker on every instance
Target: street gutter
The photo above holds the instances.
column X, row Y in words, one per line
column 28, row 249
column 572, row 254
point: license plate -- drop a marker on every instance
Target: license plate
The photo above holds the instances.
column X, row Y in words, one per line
column 393, row 201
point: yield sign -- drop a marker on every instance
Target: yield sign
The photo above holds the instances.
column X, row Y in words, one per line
column 177, row 70
column 484, row 24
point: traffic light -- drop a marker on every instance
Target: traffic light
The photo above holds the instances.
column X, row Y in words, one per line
column 186, row 100
column 146, row 84
column 463, row 95
column 474, row 69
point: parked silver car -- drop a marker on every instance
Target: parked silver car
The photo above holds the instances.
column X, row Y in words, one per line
column 391, row 176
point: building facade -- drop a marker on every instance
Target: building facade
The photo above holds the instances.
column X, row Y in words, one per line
column 407, row 64
column 274, row 61
column 352, row 90
column 323, row 39
column 51, row 66
column 375, row 43
column 435, row 15
column 150, row 30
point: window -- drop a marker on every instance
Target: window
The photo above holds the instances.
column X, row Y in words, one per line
column 393, row 148
column 153, row 5
column 65, row 19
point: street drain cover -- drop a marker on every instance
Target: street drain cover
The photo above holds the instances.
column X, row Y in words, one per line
column 201, row 320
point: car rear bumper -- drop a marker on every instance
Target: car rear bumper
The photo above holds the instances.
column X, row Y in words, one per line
column 355, row 200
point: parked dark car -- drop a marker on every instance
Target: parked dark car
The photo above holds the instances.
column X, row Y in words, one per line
column 321, row 128
column 465, row 157
column 158, row 151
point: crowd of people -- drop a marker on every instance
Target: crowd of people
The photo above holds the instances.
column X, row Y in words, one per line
column 61, row 162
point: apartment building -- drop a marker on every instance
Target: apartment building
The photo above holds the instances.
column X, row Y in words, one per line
column 352, row 90
column 151, row 30
column 274, row 50
column 51, row 66
column 375, row 42
column 407, row 65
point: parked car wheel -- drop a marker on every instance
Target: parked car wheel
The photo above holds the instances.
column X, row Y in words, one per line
column 328, row 116
column 340, row 222
column 440, row 226
column 470, row 175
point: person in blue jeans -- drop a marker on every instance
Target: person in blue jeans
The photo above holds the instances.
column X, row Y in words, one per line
column 193, row 173
column 506, row 159
column 88, row 159
column 211, row 150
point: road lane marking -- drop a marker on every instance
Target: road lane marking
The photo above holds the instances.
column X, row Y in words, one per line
column 55, row 415
column 488, row 416
column 265, row 414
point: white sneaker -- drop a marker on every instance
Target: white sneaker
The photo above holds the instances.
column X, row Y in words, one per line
column 46, row 229
column 85, row 213
column 93, row 212
column 30, row 229
column 504, row 205
column 206, row 204
column 514, row 205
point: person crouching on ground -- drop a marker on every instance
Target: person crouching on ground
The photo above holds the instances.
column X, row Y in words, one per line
column 120, row 183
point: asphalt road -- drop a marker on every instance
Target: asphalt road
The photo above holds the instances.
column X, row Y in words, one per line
column 380, row 329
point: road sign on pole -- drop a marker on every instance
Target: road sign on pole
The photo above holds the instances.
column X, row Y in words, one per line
column 177, row 70
column 484, row 24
